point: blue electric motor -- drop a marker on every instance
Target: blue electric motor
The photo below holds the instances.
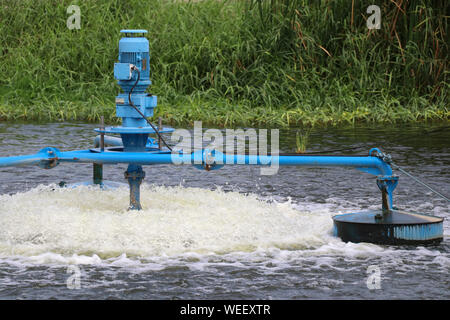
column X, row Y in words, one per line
column 134, row 64
column 135, row 106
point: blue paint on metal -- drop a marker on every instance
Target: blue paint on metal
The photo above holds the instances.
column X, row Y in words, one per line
column 388, row 227
column 18, row 161
column 387, row 185
column 419, row 232
column 52, row 158
column 335, row 230
column 134, row 51
column 122, row 71
column 109, row 141
column 373, row 171
column 117, row 142
column 372, row 150
column 132, row 31
column 206, row 160
column 398, row 217
column 145, row 158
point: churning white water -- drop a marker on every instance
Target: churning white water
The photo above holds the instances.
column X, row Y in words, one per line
column 87, row 225
column 175, row 220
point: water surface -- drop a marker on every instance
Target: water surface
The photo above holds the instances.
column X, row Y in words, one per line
column 226, row 234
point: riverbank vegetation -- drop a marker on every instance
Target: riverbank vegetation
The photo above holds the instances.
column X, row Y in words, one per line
column 251, row 63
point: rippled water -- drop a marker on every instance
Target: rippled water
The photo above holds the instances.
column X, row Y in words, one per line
column 230, row 233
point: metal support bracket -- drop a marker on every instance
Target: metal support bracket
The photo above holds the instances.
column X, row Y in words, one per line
column 387, row 184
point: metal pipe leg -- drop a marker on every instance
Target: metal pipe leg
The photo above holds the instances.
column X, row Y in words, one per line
column 98, row 168
column 98, row 173
column 135, row 175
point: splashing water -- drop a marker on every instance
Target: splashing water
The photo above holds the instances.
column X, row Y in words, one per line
column 175, row 220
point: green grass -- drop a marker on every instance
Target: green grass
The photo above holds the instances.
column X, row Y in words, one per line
column 229, row 63
column 301, row 140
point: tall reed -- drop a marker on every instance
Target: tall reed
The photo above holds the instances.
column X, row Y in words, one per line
column 274, row 62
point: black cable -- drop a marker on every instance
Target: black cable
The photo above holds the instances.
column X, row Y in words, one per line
column 419, row 181
column 303, row 154
column 139, row 111
column 404, row 139
column 332, row 150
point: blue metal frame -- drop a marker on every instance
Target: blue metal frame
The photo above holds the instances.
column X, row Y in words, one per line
column 50, row 157
column 376, row 165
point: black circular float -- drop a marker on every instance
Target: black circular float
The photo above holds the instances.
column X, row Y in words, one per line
column 392, row 227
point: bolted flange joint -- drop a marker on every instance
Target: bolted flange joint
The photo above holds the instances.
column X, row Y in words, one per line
column 52, row 155
column 134, row 175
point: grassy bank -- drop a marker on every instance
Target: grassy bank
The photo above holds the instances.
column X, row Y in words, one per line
column 272, row 62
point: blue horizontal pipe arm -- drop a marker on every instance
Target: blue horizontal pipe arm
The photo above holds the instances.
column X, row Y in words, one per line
column 377, row 165
column 18, row 161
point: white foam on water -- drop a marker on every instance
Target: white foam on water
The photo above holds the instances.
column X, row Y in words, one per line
column 87, row 225
column 87, row 221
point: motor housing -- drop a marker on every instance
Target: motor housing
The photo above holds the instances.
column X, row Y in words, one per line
column 134, row 52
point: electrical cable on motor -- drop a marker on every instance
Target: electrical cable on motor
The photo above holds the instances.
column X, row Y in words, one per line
column 134, row 68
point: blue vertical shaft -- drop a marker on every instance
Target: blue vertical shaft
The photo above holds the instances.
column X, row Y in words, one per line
column 135, row 175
